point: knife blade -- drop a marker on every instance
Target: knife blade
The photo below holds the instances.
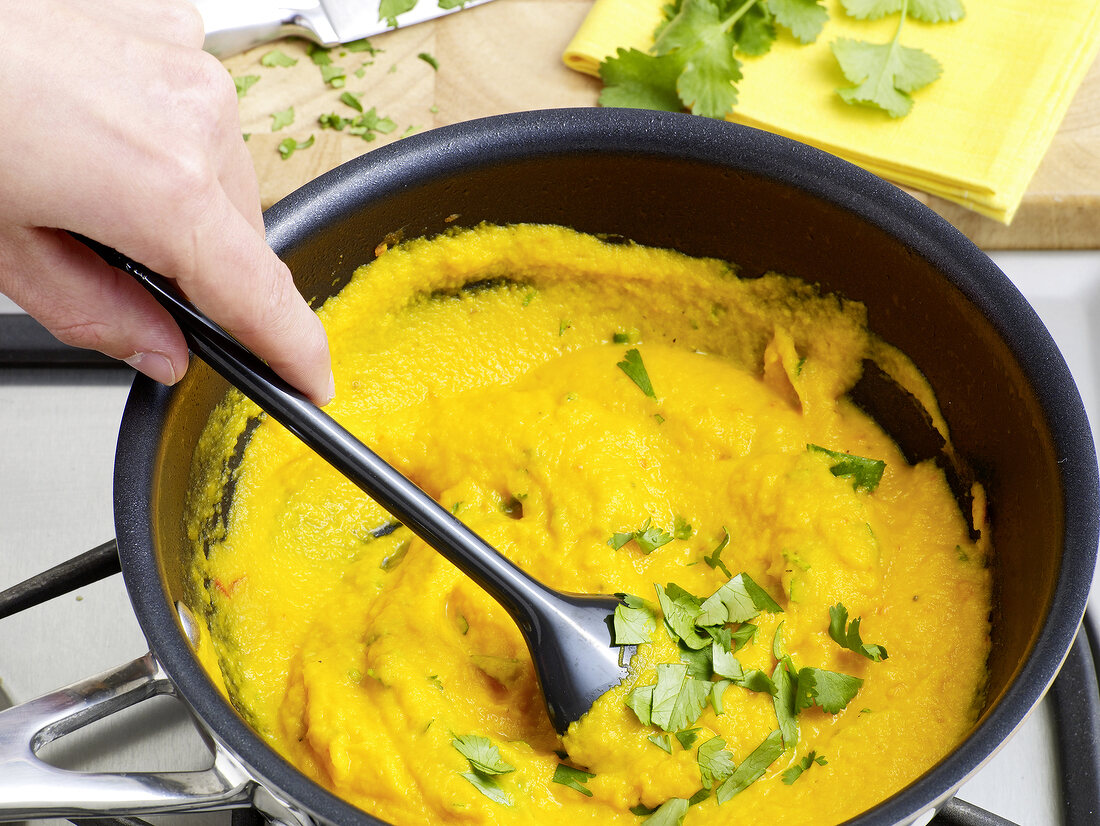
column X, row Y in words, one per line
column 233, row 26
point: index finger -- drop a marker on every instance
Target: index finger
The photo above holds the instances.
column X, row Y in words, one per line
column 238, row 281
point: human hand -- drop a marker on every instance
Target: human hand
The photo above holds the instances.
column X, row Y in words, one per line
column 116, row 125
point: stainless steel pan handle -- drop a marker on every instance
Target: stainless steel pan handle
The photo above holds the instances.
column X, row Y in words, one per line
column 32, row 788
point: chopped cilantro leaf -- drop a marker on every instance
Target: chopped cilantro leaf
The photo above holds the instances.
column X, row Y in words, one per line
column 388, row 10
column 714, row 560
column 634, row 621
column 277, row 57
column 351, row 99
column 661, row 741
column 244, row 83
column 699, row 797
column 634, row 368
column 829, row 689
column 288, row 146
column 715, row 763
column 333, row 75
column 617, row 540
column 725, row 664
column 784, row 678
column 865, row 474
column 647, row 537
column 756, row 680
column 379, row 123
column 739, row 600
column 681, row 611
column 803, row 765
column 573, row 778
column 484, row 757
column 752, row 768
column 744, row 634
column 489, row 787
column 640, row 701
column 687, row 737
column 699, row 661
column 681, row 528
column 281, row 119
column 319, row 55
column 333, row 121
column 717, row 692
column 846, row 634
column 650, row 538
column 363, row 45
column 670, row 813
column 678, row 699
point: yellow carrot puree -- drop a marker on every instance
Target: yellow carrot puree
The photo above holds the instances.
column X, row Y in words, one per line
column 504, row 371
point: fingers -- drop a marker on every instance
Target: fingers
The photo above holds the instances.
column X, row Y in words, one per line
column 235, row 278
column 86, row 303
column 158, row 170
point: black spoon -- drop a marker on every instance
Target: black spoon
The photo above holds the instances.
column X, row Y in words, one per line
column 569, row 635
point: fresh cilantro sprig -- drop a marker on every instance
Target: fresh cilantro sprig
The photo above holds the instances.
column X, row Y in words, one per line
column 885, row 74
column 693, row 63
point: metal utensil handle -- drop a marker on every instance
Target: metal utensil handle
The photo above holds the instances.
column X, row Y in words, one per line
column 233, row 27
column 421, row 514
column 32, row 788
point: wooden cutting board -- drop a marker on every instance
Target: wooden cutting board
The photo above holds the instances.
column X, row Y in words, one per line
column 505, row 56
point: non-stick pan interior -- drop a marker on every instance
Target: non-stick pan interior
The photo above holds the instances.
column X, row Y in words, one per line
column 765, row 204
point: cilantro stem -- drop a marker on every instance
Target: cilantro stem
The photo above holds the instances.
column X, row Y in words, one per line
column 731, row 21
column 901, row 22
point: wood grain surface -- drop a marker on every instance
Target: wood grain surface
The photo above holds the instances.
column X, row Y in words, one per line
column 505, row 56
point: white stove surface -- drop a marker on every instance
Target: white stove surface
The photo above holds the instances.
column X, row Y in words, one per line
column 57, row 440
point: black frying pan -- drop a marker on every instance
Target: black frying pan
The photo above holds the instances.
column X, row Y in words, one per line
column 706, row 188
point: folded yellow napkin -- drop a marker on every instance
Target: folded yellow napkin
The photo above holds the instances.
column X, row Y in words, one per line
column 975, row 136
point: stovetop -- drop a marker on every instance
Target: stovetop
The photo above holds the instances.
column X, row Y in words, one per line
column 58, row 428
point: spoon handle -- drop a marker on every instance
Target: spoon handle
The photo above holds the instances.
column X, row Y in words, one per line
column 508, row 584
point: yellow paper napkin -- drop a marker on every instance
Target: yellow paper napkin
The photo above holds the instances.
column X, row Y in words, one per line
column 975, row 136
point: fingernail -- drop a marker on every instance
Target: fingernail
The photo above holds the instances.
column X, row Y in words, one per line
column 155, row 365
column 331, row 389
